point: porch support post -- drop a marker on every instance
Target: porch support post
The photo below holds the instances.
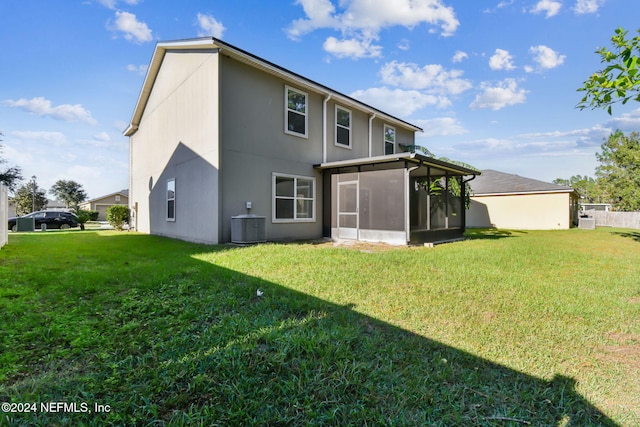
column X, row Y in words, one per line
column 463, row 208
column 446, row 199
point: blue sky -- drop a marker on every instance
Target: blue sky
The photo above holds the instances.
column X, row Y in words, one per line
column 492, row 83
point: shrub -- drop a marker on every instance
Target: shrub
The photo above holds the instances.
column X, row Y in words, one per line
column 117, row 216
column 93, row 215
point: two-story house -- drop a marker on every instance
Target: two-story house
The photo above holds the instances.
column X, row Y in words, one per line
column 218, row 132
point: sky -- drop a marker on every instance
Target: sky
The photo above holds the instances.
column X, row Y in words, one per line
column 493, row 83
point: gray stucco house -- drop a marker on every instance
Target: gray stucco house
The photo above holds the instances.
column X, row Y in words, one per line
column 218, row 132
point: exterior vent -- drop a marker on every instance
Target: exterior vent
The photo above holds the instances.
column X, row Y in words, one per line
column 247, row 229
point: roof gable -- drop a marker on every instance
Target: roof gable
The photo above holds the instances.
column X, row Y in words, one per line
column 215, row 45
column 495, row 182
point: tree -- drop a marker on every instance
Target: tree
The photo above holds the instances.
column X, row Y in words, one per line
column 30, row 198
column 587, row 187
column 69, row 192
column 619, row 170
column 10, row 176
column 619, row 81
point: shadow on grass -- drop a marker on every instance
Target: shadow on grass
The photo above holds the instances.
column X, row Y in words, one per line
column 629, row 234
column 172, row 340
column 491, row 233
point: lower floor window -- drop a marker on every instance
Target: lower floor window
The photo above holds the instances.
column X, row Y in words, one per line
column 293, row 198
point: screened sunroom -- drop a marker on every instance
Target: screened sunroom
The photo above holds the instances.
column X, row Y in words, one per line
column 405, row 198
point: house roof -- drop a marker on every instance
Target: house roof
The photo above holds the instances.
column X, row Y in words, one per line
column 121, row 192
column 494, row 183
column 213, row 44
column 416, row 158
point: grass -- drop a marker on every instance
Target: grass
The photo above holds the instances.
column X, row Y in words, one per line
column 504, row 329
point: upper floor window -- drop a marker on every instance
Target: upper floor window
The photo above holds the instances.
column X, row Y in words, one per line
column 343, row 127
column 295, row 112
column 171, row 199
column 389, row 140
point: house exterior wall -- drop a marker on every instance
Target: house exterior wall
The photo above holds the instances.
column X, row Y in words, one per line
column 102, row 204
column 178, row 140
column 254, row 146
column 549, row 211
column 214, row 121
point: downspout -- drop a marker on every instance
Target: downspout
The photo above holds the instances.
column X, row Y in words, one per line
column 131, row 192
column 371, row 117
column 463, row 190
column 324, row 127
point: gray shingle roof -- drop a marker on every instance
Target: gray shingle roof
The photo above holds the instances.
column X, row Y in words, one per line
column 494, row 182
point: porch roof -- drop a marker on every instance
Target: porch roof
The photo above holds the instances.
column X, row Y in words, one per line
column 415, row 158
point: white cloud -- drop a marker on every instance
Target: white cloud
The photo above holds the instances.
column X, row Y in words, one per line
column 628, row 122
column 55, row 138
column 102, row 136
column 459, row 56
column 545, row 57
column 496, row 97
column 42, row 107
column 352, row 48
column 111, row 4
column 432, row 77
column 401, row 103
column 133, row 30
column 81, row 173
column 545, row 144
column 362, row 20
column 501, row 60
column 210, row 26
column 138, row 69
column 442, row 126
column 549, row 7
column 319, row 14
column 500, row 5
column 587, row 6
column 404, row 44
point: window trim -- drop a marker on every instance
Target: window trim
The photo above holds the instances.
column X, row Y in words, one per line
column 168, row 218
column 288, row 88
column 336, row 143
column 295, row 198
column 384, row 139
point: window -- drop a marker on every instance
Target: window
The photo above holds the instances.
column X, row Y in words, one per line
column 389, row 140
column 117, row 198
column 293, row 198
column 171, row 200
column 343, row 127
column 295, row 112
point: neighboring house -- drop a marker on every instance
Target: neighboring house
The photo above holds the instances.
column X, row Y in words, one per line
column 503, row 200
column 101, row 204
column 218, row 132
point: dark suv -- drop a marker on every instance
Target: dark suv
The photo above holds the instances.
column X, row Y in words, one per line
column 53, row 219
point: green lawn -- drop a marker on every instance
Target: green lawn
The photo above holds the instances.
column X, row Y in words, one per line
column 503, row 329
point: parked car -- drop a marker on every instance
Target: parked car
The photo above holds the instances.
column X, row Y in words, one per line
column 53, row 219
